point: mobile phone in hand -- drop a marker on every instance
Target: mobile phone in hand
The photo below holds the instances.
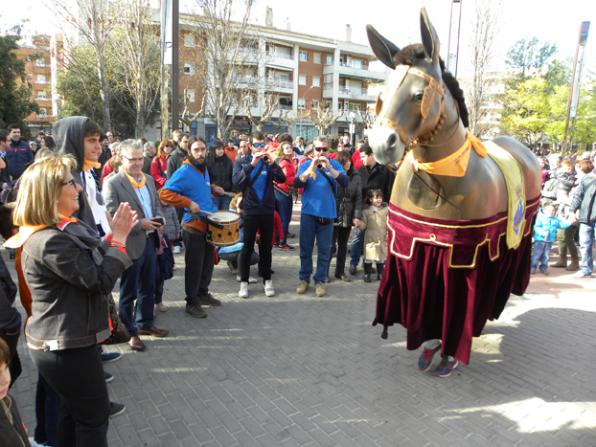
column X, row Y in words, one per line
column 159, row 220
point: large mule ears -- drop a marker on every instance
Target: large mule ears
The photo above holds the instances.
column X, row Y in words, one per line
column 383, row 48
column 430, row 40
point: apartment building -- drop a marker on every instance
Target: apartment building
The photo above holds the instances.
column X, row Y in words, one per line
column 302, row 72
column 35, row 53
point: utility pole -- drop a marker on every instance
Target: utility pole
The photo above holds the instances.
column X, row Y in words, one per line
column 169, row 66
column 574, row 87
column 452, row 59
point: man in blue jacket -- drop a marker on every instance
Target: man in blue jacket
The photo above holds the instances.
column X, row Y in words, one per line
column 18, row 154
column 254, row 174
column 319, row 178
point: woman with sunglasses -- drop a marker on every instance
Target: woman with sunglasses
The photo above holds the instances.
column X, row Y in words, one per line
column 70, row 273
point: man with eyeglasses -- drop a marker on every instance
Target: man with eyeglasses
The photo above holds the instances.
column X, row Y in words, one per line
column 319, row 178
column 137, row 283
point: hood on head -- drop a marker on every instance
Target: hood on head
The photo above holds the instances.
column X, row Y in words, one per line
column 69, row 137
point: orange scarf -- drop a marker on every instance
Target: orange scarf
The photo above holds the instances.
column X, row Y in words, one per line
column 455, row 164
column 25, row 231
column 134, row 183
column 89, row 164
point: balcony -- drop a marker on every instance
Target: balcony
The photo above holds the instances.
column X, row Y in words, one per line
column 357, row 94
column 350, row 71
column 247, row 56
column 246, row 82
column 279, row 60
column 280, row 85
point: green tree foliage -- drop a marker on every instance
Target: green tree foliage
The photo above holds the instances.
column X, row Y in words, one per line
column 528, row 55
column 15, row 91
column 79, row 85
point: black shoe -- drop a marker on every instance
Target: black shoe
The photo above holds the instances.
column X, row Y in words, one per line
column 343, row 278
column 353, row 269
column 107, row 377
column 116, row 409
column 108, row 357
column 196, row 311
column 209, row 300
column 367, row 277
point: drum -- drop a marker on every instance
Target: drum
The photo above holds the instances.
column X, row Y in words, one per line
column 224, row 227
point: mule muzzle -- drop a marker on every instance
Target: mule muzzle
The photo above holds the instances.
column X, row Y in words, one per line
column 386, row 145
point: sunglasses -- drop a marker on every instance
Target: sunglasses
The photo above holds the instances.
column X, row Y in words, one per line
column 258, row 145
column 320, row 149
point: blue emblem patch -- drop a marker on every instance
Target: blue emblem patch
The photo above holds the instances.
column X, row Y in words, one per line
column 518, row 217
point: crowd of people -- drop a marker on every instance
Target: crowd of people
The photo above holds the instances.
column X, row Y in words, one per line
column 91, row 209
column 567, row 215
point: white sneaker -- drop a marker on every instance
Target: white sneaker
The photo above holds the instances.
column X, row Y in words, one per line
column 243, row 292
column 251, row 280
column 176, row 250
column 268, row 286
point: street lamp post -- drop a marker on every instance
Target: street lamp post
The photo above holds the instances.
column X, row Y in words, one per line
column 352, row 127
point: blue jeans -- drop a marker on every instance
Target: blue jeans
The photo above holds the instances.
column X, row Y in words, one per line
column 138, row 283
column 586, row 240
column 310, row 229
column 222, row 202
column 540, row 255
column 284, row 208
column 357, row 247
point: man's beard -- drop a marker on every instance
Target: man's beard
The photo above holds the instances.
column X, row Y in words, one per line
column 199, row 164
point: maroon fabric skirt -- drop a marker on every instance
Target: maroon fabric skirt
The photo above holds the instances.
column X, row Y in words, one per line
column 444, row 279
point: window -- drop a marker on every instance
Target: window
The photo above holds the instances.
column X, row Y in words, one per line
column 302, row 79
column 314, row 104
column 189, row 40
column 189, row 69
column 301, row 103
column 40, row 62
column 303, row 56
column 41, row 79
column 43, row 112
column 316, row 81
column 41, row 95
column 329, row 59
column 316, row 58
column 190, row 95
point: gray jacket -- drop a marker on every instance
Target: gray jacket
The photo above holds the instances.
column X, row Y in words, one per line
column 584, row 199
column 118, row 189
column 70, row 274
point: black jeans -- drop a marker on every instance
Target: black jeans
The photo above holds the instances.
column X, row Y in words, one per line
column 77, row 377
column 198, row 268
column 340, row 239
column 264, row 224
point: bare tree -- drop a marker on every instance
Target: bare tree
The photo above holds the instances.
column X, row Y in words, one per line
column 323, row 117
column 270, row 106
column 93, row 20
column 224, row 37
column 483, row 39
column 187, row 117
column 137, row 53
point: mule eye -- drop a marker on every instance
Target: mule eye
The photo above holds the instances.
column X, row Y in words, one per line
column 418, row 96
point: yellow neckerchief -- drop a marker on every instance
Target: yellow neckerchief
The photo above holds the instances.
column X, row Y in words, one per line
column 134, row 183
column 25, row 231
column 90, row 164
column 455, row 164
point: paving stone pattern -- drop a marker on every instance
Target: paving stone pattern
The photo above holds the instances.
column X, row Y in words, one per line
column 303, row 371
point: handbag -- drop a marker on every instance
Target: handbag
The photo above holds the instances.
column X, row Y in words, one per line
column 119, row 333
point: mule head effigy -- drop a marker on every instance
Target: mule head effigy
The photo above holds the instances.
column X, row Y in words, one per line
column 412, row 104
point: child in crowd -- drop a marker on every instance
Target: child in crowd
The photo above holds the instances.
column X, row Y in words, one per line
column 545, row 233
column 12, row 429
column 374, row 220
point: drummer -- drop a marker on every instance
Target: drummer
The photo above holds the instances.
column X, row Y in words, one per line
column 190, row 188
column 254, row 176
